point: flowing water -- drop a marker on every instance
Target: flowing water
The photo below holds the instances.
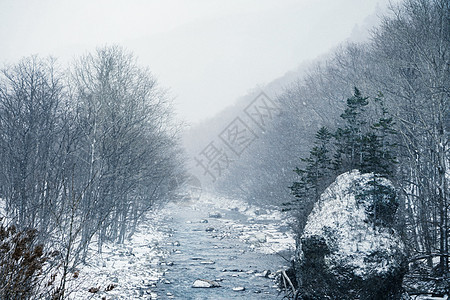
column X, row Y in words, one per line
column 203, row 247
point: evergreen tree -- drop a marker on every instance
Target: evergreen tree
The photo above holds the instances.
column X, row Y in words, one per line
column 319, row 164
column 379, row 157
column 299, row 188
column 316, row 175
column 379, row 146
column 318, row 167
column 360, row 144
column 349, row 140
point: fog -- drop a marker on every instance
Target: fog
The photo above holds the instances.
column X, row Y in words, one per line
column 206, row 149
column 207, row 53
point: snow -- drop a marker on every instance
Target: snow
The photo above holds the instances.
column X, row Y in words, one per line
column 203, row 283
column 354, row 239
column 429, row 297
column 120, row 271
column 133, row 268
column 261, row 231
column 2, row 208
column 137, row 265
column 249, row 210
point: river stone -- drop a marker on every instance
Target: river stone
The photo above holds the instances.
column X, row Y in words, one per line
column 204, row 283
column 261, row 237
column 215, row 214
column 260, row 212
column 232, row 270
column 345, row 252
column 114, row 279
column 257, row 238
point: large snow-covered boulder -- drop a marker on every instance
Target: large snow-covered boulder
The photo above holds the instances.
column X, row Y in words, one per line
column 349, row 249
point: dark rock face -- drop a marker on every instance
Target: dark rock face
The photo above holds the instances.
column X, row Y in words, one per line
column 347, row 251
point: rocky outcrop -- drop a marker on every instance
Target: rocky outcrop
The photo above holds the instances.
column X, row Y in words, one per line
column 349, row 249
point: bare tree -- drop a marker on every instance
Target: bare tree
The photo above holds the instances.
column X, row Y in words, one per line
column 412, row 48
column 127, row 139
column 33, row 141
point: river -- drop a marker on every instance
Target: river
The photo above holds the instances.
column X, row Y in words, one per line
column 232, row 245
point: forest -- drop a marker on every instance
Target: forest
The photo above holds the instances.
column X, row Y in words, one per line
column 381, row 106
column 89, row 150
column 85, row 153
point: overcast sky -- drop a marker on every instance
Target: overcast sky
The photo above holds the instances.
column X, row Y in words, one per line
column 208, row 52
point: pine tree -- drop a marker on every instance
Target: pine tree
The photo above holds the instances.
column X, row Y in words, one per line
column 360, row 144
column 300, row 187
column 319, row 163
column 380, row 147
column 379, row 158
column 314, row 178
column 349, row 140
column 318, row 167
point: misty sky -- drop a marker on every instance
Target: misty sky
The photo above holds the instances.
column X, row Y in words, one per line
column 208, row 52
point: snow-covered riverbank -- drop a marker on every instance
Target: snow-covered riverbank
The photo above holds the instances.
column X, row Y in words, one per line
column 127, row 271
column 213, row 238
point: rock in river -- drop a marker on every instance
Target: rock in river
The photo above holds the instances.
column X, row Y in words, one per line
column 349, row 248
column 215, row 214
column 258, row 237
column 204, row 283
column 260, row 212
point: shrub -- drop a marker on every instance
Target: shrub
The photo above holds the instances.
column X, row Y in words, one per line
column 21, row 262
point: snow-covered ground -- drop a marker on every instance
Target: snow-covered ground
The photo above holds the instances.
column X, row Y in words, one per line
column 428, row 297
column 134, row 269
column 126, row 271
